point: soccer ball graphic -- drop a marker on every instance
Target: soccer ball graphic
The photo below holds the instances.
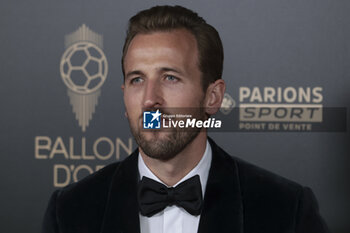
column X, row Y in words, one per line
column 83, row 67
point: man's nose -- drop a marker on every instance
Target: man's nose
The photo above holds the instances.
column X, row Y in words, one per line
column 153, row 95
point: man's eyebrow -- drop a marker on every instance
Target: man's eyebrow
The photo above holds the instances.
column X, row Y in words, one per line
column 134, row 72
column 162, row 69
column 167, row 69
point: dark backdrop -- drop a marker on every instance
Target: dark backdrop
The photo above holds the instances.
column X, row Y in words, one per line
column 268, row 43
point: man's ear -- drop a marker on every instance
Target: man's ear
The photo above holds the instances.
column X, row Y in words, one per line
column 122, row 87
column 214, row 96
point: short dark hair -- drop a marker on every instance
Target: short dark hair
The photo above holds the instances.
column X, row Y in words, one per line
column 167, row 18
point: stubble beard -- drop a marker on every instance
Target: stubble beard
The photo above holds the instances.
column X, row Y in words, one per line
column 166, row 147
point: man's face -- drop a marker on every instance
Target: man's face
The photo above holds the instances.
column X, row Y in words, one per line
column 161, row 72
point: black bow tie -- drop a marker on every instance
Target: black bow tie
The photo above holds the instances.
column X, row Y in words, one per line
column 154, row 197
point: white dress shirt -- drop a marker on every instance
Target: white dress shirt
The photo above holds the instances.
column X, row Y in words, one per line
column 174, row 219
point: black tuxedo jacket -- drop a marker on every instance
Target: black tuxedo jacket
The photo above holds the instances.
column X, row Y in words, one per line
column 239, row 197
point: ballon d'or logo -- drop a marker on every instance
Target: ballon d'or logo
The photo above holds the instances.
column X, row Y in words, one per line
column 83, row 69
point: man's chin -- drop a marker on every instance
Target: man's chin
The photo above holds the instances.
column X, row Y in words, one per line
column 164, row 145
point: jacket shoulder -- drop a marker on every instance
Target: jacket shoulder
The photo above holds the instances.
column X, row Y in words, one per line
column 262, row 189
column 257, row 179
column 92, row 182
column 267, row 198
column 271, row 203
column 82, row 204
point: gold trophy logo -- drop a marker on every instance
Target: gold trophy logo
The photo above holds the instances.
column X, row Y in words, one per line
column 83, row 69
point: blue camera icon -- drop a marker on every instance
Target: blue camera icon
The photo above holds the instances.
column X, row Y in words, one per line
column 151, row 120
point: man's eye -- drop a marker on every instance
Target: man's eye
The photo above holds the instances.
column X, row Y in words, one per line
column 136, row 80
column 171, row 78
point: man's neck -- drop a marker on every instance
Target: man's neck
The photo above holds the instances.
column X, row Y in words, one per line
column 172, row 171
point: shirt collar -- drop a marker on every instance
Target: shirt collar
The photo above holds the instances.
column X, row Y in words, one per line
column 201, row 169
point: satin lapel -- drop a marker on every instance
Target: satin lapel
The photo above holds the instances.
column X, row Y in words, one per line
column 122, row 212
column 223, row 209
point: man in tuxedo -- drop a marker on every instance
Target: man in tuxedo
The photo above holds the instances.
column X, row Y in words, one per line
column 179, row 181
